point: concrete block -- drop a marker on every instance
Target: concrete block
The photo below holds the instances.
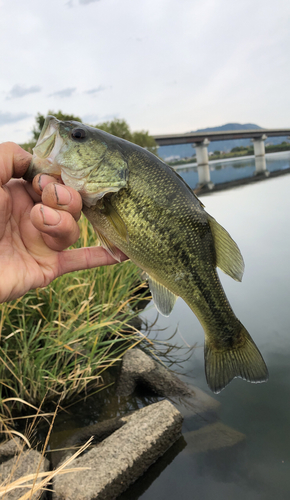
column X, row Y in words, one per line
column 10, row 448
column 139, row 368
column 122, row 457
column 19, row 466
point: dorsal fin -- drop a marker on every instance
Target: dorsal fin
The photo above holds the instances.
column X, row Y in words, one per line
column 164, row 299
column 228, row 256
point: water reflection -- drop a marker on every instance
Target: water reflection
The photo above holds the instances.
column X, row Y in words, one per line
column 144, row 482
column 258, row 218
column 234, row 169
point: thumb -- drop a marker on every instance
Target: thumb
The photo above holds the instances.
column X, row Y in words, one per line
column 14, row 161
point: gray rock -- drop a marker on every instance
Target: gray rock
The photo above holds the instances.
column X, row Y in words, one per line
column 136, row 323
column 212, row 437
column 98, row 431
column 198, row 410
column 10, row 448
column 124, row 456
column 203, row 402
column 139, row 368
column 19, row 466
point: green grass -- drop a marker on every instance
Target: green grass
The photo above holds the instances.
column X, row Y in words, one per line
column 56, row 342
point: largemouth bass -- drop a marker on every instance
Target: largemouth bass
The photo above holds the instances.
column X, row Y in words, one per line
column 139, row 205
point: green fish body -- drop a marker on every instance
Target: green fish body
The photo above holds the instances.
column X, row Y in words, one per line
column 139, row 205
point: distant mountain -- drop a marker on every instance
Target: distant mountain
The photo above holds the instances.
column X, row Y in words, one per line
column 230, row 126
column 186, row 150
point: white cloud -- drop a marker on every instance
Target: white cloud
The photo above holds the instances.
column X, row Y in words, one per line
column 70, row 3
column 94, row 91
column 86, row 2
column 21, row 91
column 63, row 93
column 7, row 118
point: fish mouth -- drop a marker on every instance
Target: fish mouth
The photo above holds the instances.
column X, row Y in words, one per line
column 49, row 142
column 46, row 149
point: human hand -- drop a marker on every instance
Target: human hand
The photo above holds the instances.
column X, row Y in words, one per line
column 37, row 223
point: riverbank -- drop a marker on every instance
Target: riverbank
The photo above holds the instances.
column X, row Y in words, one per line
column 238, row 154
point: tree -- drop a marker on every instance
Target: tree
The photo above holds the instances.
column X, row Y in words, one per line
column 40, row 119
column 120, row 128
column 238, row 148
column 145, row 140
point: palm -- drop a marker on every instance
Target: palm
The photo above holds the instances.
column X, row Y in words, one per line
column 25, row 259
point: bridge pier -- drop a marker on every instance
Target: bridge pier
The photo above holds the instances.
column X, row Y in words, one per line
column 202, row 164
column 260, row 159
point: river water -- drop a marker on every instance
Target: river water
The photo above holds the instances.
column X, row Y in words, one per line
column 233, row 169
column 257, row 216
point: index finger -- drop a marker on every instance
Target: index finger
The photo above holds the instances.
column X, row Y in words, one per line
column 14, row 161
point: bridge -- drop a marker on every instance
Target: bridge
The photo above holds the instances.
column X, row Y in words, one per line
column 200, row 141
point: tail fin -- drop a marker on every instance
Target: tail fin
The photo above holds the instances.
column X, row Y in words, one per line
column 243, row 360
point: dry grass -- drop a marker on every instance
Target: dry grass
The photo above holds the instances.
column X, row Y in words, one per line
column 38, row 482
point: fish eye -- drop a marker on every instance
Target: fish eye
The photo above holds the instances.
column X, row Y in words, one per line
column 78, row 133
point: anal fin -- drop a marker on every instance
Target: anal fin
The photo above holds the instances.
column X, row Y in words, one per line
column 164, row 299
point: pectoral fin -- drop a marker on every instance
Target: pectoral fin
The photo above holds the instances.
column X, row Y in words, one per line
column 115, row 220
column 164, row 299
column 228, row 255
column 110, row 247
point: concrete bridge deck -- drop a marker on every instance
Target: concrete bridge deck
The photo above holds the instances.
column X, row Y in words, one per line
column 199, row 137
column 200, row 141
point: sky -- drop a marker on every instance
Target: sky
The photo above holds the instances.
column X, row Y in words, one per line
column 166, row 66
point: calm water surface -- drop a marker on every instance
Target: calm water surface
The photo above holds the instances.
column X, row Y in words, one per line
column 234, row 169
column 258, row 218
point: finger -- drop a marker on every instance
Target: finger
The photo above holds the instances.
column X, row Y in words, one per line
column 85, row 258
column 35, row 197
column 62, row 197
column 14, row 161
column 40, row 181
column 5, row 210
column 59, row 229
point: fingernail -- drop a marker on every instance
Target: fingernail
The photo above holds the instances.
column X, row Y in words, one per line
column 63, row 196
column 39, row 183
column 50, row 216
column 43, row 180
